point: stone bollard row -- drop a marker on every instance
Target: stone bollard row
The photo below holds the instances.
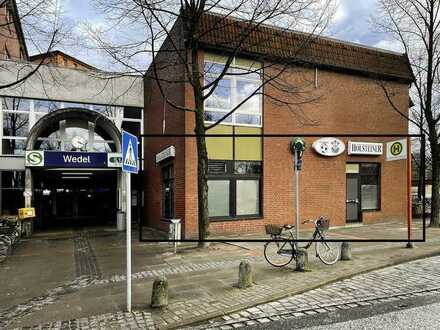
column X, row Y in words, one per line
column 159, row 296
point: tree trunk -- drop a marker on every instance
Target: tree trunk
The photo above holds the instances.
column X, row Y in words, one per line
column 202, row 179
column 435, row 197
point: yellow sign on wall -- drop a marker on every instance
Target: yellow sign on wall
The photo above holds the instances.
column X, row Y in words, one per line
column 26, row 213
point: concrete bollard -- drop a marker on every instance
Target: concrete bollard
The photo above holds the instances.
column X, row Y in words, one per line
column 244, row 275
column 159, row 296
column 345, row 251
column 302, row 260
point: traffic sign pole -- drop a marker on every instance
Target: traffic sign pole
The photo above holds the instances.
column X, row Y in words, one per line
column 128, row 229
column 130, row 165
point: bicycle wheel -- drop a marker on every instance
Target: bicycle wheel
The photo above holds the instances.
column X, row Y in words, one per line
column 328, row 252
column 278, row 254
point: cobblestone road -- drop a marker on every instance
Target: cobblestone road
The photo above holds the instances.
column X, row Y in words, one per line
column 404, row 281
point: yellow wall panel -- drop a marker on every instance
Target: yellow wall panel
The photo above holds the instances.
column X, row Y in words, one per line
column 220, row 147
column 248, row 148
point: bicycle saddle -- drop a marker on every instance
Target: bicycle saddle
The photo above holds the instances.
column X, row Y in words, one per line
column 288, row 226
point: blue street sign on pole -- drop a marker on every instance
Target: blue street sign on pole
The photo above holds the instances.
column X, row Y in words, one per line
column 129, row 153
column 129, row 165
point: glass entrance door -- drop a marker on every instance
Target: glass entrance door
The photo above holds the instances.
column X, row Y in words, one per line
column 353, row 198
column 72, row 199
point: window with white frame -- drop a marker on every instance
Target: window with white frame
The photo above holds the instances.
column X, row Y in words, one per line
column 18, row 115
column 241, row 83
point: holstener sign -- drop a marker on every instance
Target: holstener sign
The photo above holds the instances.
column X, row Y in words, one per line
column 365, row 148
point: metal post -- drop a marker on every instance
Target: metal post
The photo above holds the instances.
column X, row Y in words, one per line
column 297, row 193
column 409, row 192
column 128, row 229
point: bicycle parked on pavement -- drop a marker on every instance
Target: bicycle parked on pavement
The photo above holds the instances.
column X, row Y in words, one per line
column 9, row 235
column 284, row 248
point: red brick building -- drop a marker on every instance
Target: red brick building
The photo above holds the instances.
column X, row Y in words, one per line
column 61, row 59
column 251, row 180
column 12, row 42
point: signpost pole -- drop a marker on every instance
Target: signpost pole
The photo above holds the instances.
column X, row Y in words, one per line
column 128, row 229
column 130, row 164
column 297, row 193
column 409, row 187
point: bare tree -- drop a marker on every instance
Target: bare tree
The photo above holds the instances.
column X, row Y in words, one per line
column 173, row 36
column 416, row 25
column 40, row 23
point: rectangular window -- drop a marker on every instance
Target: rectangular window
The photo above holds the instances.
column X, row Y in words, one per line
column 168, row 192
column 15, row 124
column 11, row 192
column 234, row 189
column 218, row 198
column 16, row 104
column 370, row 186
column 13, row 146
column 248, row 197
column 241, row 83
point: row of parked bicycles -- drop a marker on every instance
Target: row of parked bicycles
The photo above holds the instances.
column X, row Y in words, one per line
column 9, row 235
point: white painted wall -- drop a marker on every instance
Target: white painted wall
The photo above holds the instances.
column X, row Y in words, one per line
column 72, row 85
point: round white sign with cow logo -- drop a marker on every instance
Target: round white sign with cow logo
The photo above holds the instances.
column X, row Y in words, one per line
column 329, row 146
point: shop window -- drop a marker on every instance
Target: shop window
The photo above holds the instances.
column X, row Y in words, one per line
column 234, row 189
column 241, row 81
column 11, row 191
column 168, row 192
column 370, row 186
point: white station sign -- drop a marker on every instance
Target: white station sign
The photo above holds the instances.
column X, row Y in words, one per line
column 329, row 146
column 365, row 148
column 165, row 154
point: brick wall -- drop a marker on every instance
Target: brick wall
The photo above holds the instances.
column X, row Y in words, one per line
column 159, row 118
column 8, row 37
column 60, row 59
column 343, row 104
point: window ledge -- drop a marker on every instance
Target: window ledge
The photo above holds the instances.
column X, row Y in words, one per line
column 238, row 218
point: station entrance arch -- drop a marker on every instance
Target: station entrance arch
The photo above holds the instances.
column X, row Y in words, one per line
column 72, row 169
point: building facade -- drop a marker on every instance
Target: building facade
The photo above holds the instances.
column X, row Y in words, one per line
column 251, row 180
column 60, row 144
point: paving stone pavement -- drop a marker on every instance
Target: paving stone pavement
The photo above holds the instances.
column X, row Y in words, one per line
column 416, row 278
column 176, row 269
column 135, row 320
column 85, row 258
column 421, row 277
column 91, row 277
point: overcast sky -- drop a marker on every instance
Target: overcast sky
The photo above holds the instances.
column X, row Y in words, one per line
column 351, row 23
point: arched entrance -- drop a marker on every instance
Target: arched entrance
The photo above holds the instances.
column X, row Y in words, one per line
column 72, row 174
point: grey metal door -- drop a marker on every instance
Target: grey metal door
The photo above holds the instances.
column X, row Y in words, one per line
column 353, row 198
